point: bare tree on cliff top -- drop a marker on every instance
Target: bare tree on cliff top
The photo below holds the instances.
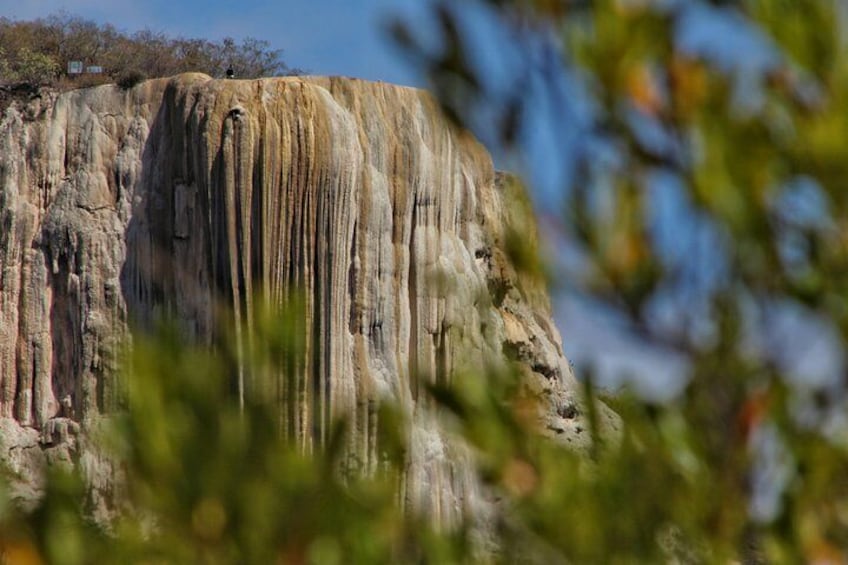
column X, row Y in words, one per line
column 39, row 51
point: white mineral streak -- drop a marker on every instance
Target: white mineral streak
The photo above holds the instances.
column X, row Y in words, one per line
column 130, row 205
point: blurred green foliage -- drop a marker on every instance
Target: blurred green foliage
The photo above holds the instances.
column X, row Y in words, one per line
column 736, row 112
column 205, row 479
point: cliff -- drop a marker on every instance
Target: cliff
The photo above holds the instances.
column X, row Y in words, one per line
column 118, row 207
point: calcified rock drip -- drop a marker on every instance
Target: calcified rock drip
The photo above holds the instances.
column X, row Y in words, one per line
column 130, row 205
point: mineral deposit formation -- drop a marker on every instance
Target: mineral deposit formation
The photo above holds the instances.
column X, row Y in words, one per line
column 119, row 207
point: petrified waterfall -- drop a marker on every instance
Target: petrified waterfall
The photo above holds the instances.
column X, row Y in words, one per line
column 118, row 207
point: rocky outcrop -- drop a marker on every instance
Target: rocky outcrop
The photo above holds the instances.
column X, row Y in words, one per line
column 121, row 206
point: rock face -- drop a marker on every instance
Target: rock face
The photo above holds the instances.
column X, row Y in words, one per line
column 121, row 206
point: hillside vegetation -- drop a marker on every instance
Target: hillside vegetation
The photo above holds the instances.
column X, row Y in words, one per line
column 38, row 52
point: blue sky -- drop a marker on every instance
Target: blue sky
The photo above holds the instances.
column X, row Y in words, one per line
column 336, row 37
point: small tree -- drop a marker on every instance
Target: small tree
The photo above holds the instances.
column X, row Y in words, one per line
column 5, row 68
column 35, row 68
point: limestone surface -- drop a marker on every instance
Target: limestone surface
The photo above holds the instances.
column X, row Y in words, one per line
column 119, row 207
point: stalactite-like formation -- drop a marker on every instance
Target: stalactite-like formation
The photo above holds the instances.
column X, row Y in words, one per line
column 168, row 198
